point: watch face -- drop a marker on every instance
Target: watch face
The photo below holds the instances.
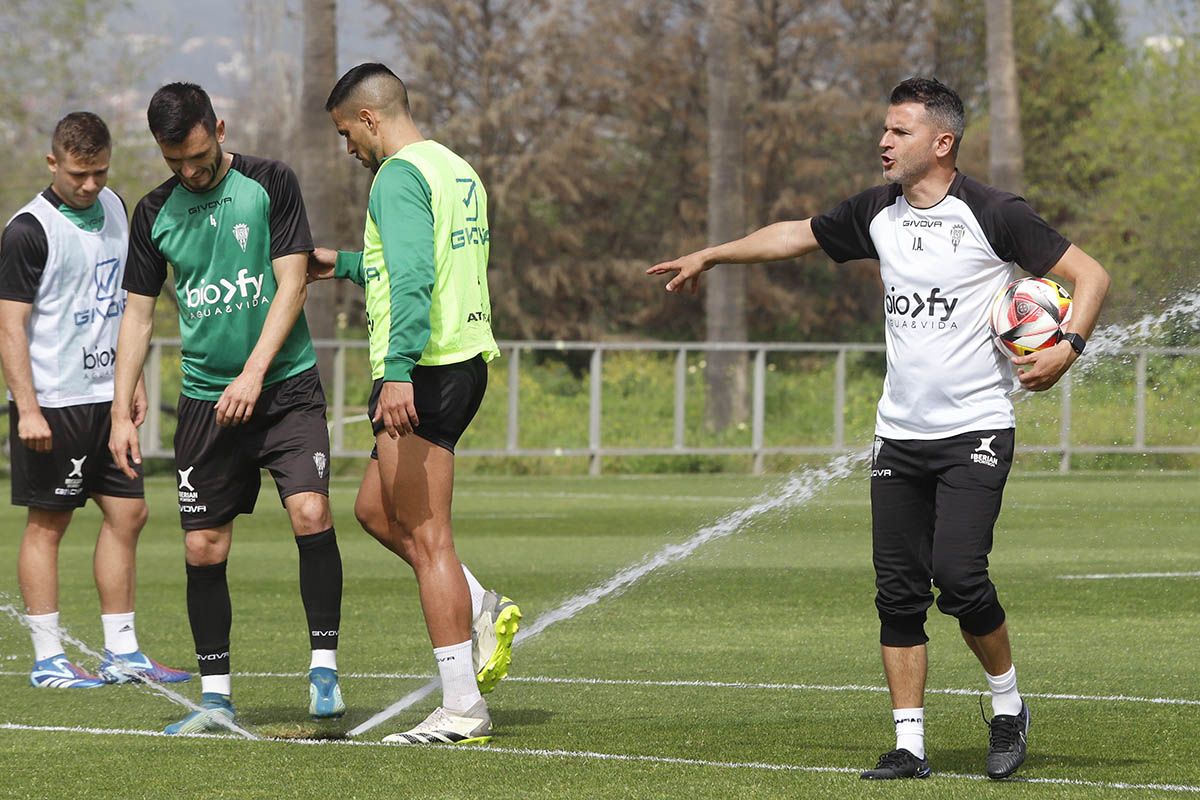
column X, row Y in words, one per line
column 1076, row 341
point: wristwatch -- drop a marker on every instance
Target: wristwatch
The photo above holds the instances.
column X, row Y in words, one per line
column 1076, row 341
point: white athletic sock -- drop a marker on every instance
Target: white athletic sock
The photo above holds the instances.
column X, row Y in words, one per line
column 1005, row 699
column 459, row 690
column 324, row 658
column 218, row 684
column 44, row 630
column 476, row 592
column 120, row 638
column 910, row 730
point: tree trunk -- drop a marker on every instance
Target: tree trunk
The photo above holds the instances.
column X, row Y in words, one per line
column 725, row 296
column 1006, row 160
column 318, row 147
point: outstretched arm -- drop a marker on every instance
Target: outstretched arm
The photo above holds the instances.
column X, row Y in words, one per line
column 1090, row 282
column 776, row 242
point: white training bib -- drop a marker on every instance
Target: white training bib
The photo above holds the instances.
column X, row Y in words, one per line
column 77, row 311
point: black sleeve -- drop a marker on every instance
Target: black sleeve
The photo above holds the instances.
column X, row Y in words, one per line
column 1018, row 234
column 124, row 205
column 23, row 253
column 289, row 221
column 145, row 267
column 844, row 232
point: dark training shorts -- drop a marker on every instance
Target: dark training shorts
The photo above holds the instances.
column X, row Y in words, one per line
column 934, row 505
column 79, row 465
column 446, row 397
column 218, row 468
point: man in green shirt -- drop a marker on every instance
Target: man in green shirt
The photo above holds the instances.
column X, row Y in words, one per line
column 234, row 230
column 424, row 268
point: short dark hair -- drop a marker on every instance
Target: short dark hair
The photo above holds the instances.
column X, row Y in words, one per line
column 81, row 134
column 356, row 76
column 176, row 109
column 942, row 103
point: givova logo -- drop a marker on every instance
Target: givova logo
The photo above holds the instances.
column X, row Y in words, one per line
column 470, row 233
column 107, row 305
column 224, row 296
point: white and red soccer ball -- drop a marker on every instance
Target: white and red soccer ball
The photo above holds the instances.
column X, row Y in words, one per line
column 1029, row 315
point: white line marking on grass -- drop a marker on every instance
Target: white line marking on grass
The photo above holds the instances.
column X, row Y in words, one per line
column 592, row 755
column 682, row 684
column 797, row 490
column 1105, row 576
column 642, row 498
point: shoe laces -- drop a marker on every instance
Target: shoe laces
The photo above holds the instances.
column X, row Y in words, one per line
column 1004, row 729
column 894, row 758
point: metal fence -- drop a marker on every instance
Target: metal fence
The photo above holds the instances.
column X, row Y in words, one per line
column 596, row 450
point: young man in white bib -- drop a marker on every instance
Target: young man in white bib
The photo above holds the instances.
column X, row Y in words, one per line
column 61, row 260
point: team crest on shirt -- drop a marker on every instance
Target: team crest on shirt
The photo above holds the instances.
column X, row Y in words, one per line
column 321, row 460
column 241, row 232
column 956, row 234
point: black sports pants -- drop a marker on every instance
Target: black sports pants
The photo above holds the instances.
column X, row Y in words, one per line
column 934, row 504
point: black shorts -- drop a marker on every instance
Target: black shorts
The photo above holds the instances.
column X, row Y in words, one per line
column 218, row 468
column 446, row 397
column 79, row 464
column 934, row 505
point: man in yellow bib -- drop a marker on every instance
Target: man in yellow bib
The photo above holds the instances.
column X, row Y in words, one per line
column 424, row 268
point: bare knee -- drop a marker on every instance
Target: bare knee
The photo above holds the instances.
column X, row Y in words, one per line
column 371, row 517
column 429, row 544
column 206, row 547
column 45, row 527
column 127, row 520
column 309, row 513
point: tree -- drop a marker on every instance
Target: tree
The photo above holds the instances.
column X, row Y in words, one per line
column 725, row 294
column 317, row 150
column 1006, row 152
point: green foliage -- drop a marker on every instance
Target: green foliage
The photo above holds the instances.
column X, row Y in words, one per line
column 1139, row 216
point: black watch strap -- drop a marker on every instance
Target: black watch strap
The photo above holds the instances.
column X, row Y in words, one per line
column 1077, row 342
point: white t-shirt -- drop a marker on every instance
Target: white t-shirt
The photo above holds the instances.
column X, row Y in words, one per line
column 77, row 304
column 942, row 268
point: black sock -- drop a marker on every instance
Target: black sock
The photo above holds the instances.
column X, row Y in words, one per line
column 211, row 616
column 321, row 587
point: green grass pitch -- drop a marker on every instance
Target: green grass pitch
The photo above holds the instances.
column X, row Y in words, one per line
column 749, row 669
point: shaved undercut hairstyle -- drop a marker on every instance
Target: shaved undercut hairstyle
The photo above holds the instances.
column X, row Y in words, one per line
column 942, row 104
column 176, row 109
column 81, row 134
column 373, row 86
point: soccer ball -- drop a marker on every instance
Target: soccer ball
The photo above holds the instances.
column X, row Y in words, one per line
column 1029, row 315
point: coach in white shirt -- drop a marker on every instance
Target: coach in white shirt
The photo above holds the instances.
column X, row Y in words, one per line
column 947, row 245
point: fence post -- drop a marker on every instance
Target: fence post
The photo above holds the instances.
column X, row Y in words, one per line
column 839, row 400
column 759, row 414
column 514, row 399
column 1064, row 430
column 339, row 398
column 595, row 385
column 680, row 396
column 1139, row 403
